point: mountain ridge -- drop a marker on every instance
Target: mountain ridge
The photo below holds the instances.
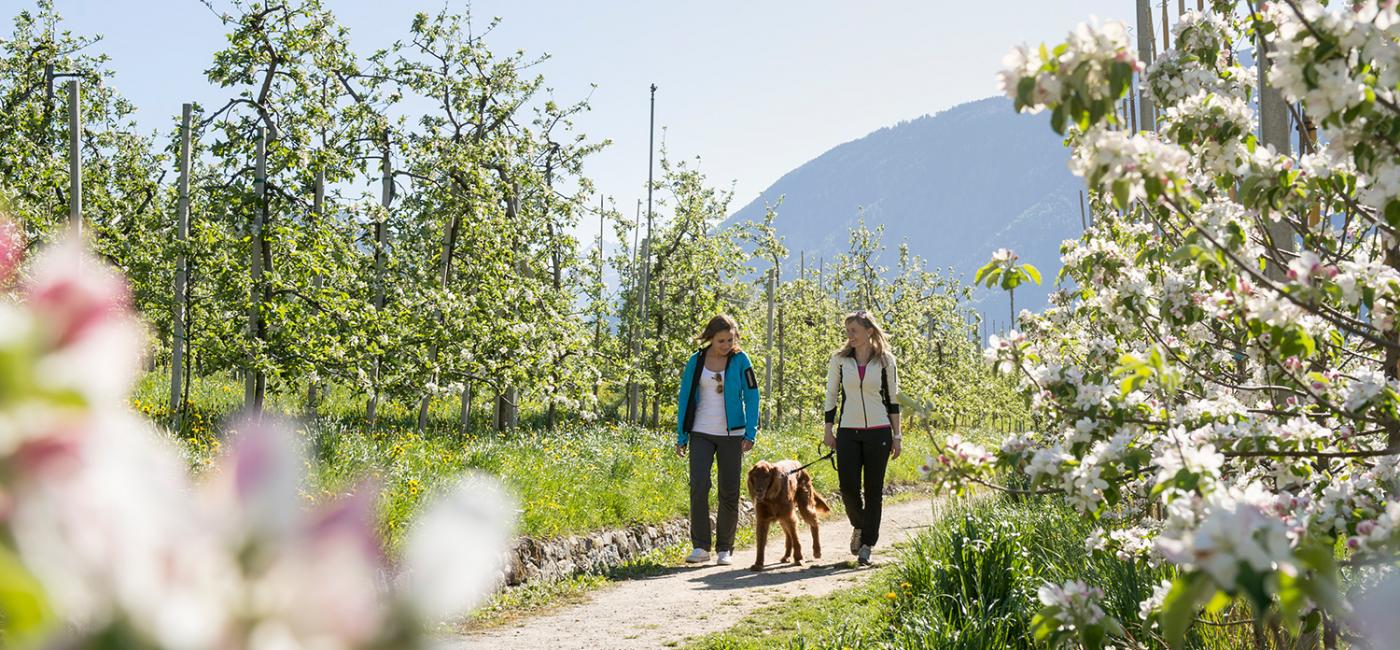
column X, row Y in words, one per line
column 955, row 185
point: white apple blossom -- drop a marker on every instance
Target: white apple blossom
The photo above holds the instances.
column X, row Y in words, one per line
column 1075, row 602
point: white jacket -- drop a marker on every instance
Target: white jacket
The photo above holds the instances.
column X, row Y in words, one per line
column 864, row 403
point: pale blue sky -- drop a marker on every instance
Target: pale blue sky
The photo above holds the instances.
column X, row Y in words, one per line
column 754, row 87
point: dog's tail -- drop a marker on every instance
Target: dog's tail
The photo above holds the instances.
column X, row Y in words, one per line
column 804, row 483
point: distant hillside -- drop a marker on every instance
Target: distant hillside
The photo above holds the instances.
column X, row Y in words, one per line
column 956, row 185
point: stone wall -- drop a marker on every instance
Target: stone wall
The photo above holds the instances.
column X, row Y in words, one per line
column 534, row 560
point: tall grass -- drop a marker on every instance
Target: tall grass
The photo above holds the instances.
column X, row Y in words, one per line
column 969, row 582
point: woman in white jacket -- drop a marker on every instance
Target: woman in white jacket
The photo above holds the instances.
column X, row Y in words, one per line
column 862, row 383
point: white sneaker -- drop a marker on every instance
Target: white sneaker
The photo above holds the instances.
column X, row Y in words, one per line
column 863, row 556
column 855, row 541
column 697, row 556
column 725, row 557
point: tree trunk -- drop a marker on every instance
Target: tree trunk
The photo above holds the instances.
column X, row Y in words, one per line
column 252, row 381
column 449, row 241
column 464, row 425
column 507, row 410
column 1012, row 293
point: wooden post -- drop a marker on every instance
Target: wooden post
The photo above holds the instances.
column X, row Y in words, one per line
column 1083, row 220
column 631, row 323
column 646, row 242
column 1166, row 28
column 782, row 363
column 1146, row 43
column 380, row 238
column 318, row 208
column 1132, row 109
column 768, row 342
column 75, row 156
column 602, row 225
column 182, row 235
column 1274, row 129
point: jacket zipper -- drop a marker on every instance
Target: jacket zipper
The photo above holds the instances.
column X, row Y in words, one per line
column 861, row 378
column 728, row 426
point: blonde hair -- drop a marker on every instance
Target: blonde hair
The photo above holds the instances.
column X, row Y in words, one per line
column 718, row 325
column 877, row 336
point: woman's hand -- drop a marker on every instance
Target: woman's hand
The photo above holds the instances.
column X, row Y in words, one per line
column 680, row 451
column 746, row 445
column 829, row 439
column 895, row 449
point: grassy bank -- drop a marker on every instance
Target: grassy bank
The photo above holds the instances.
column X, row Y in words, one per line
column 969, row 583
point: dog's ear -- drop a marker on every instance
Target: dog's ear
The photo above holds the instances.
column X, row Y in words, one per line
column 776, row 478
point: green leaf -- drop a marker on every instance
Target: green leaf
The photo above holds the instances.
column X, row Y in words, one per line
column 982, row 272
column 1181, row 604
column 1219, row 602
column 1120, row 194
column 1031, row 272
column 24, row 610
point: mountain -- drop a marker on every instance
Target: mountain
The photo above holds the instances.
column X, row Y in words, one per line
column 955, row 185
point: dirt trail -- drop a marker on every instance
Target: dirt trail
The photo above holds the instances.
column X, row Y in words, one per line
column 684, row 602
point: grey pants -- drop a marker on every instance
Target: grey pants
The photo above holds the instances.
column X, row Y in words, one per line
column 703, row 450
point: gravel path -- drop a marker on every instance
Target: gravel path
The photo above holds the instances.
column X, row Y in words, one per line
column 684, row 602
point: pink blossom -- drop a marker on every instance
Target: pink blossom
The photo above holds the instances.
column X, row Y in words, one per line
column 76, row 294
column 11, row 249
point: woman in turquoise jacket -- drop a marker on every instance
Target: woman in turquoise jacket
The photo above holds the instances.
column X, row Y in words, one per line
column 716, row 417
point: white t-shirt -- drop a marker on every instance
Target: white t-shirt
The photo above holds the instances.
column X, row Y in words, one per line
column 709, row 413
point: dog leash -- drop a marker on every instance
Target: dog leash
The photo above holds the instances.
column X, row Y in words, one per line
column 830, row 454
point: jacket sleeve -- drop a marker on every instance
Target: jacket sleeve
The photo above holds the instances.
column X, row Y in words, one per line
column 833, row 388
column 891, row 387
column 683, row 402
column 751, row 401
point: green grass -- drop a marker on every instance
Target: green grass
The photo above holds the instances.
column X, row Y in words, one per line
column 968, row 582
column 578, row 479
column 844, row 614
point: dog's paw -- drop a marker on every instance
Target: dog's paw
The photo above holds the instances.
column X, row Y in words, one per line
column 816, row 555
column 797, row 562
column 756, row 567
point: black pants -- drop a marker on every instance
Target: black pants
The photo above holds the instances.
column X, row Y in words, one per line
column 704, row 449
column 868, row 452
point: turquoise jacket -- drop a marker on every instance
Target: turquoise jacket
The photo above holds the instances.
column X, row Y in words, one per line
column 740, row 395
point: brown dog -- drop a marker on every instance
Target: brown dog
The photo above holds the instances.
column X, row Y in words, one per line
column 780, row 491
